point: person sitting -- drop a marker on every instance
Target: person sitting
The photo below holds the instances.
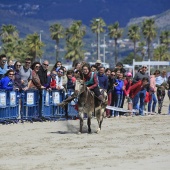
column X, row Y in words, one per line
column 91, row 82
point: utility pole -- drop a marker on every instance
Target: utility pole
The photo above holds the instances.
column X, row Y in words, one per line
column 98, row 39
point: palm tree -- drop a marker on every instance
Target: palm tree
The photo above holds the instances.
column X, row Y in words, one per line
column 116, row 33
column 165, row 38
column 8, row 33
column 134, row 35
column 34, row 46
column 149, row 32
column 74, row 36
column 141, row 49
column 74, row 51
column 75, row 31
column 57, row 33
column 97, row 26
column 160, row 53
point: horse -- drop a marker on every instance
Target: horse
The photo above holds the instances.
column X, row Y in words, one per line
column 89, row 103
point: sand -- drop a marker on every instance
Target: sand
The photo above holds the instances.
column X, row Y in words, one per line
column 125, row 143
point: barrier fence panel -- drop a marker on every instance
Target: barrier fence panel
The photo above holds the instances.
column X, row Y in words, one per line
column 9, row 106
column 57, row 97
column 30, row 105
column 14, row 104
column 47, row 104
column 4, row 109
column 72, row 112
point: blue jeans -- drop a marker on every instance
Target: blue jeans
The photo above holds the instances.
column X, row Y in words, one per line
column 118, row 103
column 153, row 98
column 140, row 95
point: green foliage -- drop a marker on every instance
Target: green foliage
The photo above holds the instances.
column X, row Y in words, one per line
column 74, row 42
column 129, row 59
column 33, row 46
column 115, row 32
column 161, row 53
column 57, row 33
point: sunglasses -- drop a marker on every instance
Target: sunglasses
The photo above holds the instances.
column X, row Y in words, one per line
column 10, row 74
column 53, row 74
column 112, row 74
column 144, row 67
column 61, row 72
column 45, row 64
column 18, row 65
column 4, row 61
column 27, row 62
column 37, row 66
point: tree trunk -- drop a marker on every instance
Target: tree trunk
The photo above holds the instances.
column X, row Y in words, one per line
column 135, row 50
column 149, row 55
column 57, row 50
column 115, row 52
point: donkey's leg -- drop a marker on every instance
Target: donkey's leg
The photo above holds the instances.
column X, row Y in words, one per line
column 100, row 119
column 89, row 124
column 81, row 122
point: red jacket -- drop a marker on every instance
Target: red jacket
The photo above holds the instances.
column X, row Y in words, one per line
column 127, row 85
column 134, row 89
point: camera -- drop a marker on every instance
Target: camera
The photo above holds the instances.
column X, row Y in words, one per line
column 116, row 83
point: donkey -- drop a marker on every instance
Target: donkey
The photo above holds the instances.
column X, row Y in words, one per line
column 89, row 103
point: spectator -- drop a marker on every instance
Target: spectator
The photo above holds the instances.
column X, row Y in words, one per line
column 59, row 79
column 17, row 80
column 77, row 67
column 3, row 65
column 102, row 78
column 119, row 66
column 110, row 92
column 118, row 91
column 52, row 80
column 70, row 80
column 6, row 82
column 94, row 68
column 26, row 74
column 98, row 64
column 42, row 73
column 142, row 93
column 64, row 77
column 161, row 85
column 10, row 65
column 35, row 83
column 127, row 85
column 136, row 93
column 107, row 72
column 57, row 66
column 152, row 106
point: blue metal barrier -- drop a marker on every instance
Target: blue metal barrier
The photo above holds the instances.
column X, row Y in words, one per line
column 72, row 112
column 57, row 97
column 9, row 106
column 30, row 105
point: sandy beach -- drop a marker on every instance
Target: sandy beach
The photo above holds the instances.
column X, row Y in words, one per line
column 131, row 143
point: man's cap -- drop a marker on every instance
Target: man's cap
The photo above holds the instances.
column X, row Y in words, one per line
column 98, row 61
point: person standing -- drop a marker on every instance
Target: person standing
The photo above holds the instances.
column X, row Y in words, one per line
column 42, row 73
column 118, row 91
column 142, row 93
column 3, row 65
column 17, row 80
column 26, row 74
column 102, row 78
column 152, row 106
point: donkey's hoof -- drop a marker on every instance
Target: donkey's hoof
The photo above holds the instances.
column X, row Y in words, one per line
column 98, row 131
column 79, row 133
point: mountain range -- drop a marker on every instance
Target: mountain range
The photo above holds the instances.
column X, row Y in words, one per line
column 31, row 16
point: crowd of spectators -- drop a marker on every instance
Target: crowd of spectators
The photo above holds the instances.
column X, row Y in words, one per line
column 141, row 90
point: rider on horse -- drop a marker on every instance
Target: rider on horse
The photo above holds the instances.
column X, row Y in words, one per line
column 91, row 82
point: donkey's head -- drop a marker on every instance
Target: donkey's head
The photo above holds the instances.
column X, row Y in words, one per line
column 80, row 86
